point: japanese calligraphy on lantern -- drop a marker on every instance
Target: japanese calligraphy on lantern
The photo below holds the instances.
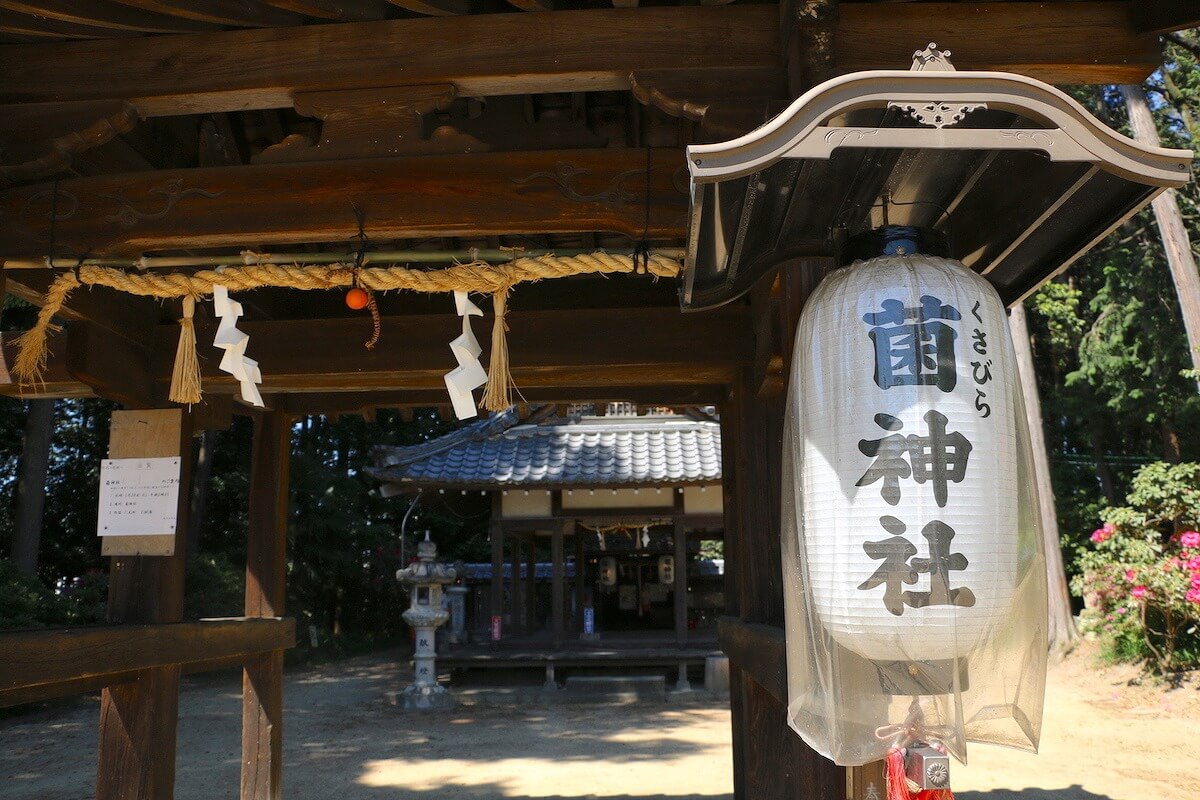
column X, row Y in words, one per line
column 138, row 496
column 908, row 457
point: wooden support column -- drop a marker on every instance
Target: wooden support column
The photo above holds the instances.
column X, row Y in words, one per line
column 556, row 601
column 770, row 760
column 680, row 536
column 531, row 583
column 136, row 748
column 496, row 604
column 580, row 584
column 518, row 608
column 266, row 552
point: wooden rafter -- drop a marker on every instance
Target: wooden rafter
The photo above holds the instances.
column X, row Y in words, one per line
column 464, row 195
column 1164, row 16
column 638, row 354
column 490, row 54
column 104, row 14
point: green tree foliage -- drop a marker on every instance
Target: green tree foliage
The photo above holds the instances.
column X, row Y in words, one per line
column 1109, row 346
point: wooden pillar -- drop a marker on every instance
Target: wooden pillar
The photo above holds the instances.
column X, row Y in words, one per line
column 266, row 553
column 556, row 601
column 531, row 583
column 680, row 536
column 136, row 747
column 514, row 563
column 770, row 760
column 496, row 601
column 580, row 584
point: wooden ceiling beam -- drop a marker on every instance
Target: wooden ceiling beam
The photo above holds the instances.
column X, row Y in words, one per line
column 220, row 12
column 478, row 194
column 337, row 10
column 645, row 355
column 594, row 49
column 1164, row 16
column 1088, row 41
column 104, row 14
column 358, row 402
column 550, row 350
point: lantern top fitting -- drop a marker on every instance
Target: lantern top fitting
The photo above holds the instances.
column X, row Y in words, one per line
column 1018, row 176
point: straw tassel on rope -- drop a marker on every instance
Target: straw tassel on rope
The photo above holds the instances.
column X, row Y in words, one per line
column 185, row 378
column 33, row 345
column 478, row 276
column 497, row 395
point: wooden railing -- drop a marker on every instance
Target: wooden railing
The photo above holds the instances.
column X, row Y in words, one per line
column 44, row 664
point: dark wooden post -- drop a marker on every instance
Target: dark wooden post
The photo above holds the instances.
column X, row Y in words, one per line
column 580, row 585
column 266, row 551
column 770, row 760
column 518, row 607
column 680, row 535
column 136, row 748
column 496, row 600
column 556, row 601
column 531, row 583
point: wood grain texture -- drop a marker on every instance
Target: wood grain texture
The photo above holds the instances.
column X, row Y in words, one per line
column 136, row 750
column 262, row 679
column 624, row 348
column 1056, row 42
column 480, row 194
column 585, row 50
column 53, row 657
column 1162, row 16
column 133, row 434
column 484, row 54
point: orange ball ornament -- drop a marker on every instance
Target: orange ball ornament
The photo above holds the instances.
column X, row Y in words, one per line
column 357, row 298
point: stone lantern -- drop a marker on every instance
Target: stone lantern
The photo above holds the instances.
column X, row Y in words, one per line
column 425, row 613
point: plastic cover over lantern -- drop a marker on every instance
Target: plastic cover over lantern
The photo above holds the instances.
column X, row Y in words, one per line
column 915, row 577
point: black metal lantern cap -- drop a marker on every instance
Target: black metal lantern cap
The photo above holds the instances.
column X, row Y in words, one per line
column 895, row 240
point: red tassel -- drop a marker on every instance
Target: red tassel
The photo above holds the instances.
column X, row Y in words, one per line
column 898, row 784
column 897, row 781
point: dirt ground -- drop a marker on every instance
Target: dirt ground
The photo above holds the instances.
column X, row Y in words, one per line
column 1103, row 740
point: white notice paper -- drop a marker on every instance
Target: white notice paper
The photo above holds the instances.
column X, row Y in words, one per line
column 138, row 496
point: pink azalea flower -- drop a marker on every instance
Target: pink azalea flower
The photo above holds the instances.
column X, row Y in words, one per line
column 1138, row 592
column 1099, row 535
column 1193, row 595
column 1193, row 564
column 1189, row 539
column 1130, row 575
column 1109, row 528
column 1196, row 580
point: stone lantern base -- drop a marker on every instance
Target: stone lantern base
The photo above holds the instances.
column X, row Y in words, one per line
column 422, row 698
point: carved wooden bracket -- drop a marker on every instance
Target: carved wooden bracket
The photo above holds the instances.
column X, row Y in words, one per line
column 416, row 120
column 361, row 123
column 63, row 133
column 723, row 111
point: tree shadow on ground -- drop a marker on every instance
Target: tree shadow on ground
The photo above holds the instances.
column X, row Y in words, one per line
column 1074, row 792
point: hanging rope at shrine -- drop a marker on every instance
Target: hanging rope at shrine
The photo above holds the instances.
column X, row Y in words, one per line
column 477, row 276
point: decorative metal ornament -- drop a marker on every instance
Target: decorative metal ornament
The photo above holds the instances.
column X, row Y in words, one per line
column 936, row 113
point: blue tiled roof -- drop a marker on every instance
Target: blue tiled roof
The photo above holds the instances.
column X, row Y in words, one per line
column 500, row 452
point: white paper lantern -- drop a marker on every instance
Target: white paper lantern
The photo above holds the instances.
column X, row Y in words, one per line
column 908, row 432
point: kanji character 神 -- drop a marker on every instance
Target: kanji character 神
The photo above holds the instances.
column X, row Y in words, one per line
column 939, row 458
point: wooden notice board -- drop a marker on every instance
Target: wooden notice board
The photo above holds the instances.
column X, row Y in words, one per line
column 155, row 433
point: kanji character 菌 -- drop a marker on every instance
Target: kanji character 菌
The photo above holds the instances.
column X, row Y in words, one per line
column 920, row 353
